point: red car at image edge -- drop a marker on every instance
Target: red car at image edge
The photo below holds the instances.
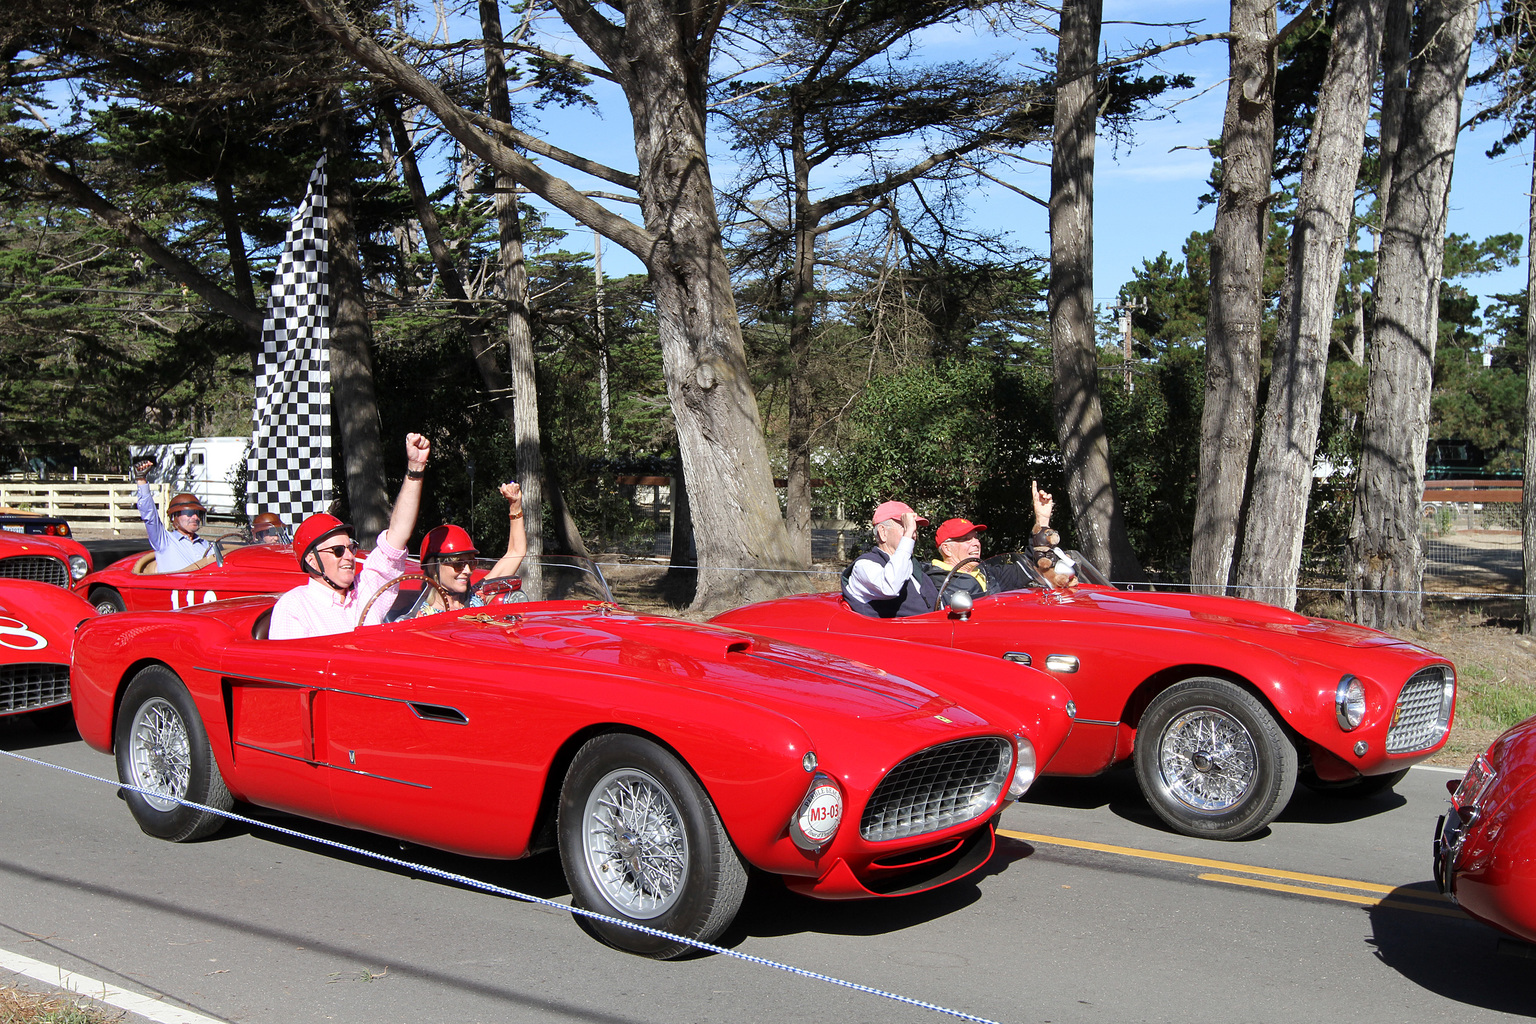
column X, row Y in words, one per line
column 1485, row 845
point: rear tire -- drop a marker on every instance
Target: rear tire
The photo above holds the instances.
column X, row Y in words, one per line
column 163, row 749
column 1213, row 761
column 107, row 601
column 640, row 840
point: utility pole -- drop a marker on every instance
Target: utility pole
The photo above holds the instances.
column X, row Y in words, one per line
column 1126, row 310
column 602, row 340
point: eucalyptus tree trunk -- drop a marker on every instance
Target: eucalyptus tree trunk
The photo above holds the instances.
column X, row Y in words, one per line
column 1528, row 498
column 797, row 434
column 1385, row 556
column 1085, row 456
column 514, row 271
column 355, row 406
column 1237, row 295
column 1282, row 476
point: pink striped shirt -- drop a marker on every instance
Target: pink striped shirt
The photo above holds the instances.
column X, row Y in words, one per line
column 317, row 609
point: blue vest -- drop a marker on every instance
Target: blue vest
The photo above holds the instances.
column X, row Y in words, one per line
column 918, row 594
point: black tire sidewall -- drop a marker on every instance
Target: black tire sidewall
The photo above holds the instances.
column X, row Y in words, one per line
column 1275, row 772
column 106, row 595
column 204, row 782
column 691, row 915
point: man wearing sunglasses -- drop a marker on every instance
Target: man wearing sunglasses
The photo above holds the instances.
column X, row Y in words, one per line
column 180, row 546
column 338, row 589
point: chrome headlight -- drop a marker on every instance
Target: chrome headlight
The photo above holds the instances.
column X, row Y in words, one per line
column 78, row 567
column 1024, row 770
column 1349, row 703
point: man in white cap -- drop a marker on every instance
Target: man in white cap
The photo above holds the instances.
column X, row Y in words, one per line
column 882, row 583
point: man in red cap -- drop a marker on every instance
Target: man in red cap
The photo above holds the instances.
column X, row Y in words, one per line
column 180, row 546
column 960, row 539
column 338, row 589
column 881, row 582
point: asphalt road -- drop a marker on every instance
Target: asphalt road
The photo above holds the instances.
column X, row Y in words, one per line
column 253, row 926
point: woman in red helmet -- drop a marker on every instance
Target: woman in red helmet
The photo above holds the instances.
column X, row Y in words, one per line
column 448, row 558
column 338, row 589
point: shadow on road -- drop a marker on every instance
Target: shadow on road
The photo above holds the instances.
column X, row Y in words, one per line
column 47, row 728
column 1452, row 955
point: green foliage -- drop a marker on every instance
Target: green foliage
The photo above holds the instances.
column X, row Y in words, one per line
column 965, row 438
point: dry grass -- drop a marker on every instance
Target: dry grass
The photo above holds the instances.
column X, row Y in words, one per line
column 18, row 1007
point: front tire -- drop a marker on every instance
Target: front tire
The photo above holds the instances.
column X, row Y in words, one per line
column 640, row 840
column 107, row 601
column 1213, row 761
column 163, row 749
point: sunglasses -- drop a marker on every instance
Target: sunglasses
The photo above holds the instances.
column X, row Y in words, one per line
column 339, row 550
column 458, row 564
column 190, row 515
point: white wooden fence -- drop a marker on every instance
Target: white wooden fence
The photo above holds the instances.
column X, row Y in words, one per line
column 105, row 503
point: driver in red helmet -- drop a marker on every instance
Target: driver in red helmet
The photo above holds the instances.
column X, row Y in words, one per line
column 180, row 546
column 338, row 589
column 448, row 558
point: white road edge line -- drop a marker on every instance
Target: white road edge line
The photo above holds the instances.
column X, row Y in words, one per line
column 1437, row 768
column 144, row 1006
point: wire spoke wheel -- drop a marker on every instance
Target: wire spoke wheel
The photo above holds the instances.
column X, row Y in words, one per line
column 635, row 843
column 160, row 754
column 1208, row 759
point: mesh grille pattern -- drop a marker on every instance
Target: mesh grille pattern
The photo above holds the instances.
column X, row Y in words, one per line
column 24, row 687
column 1423, row 712
column 938, row 787
column 38, row 568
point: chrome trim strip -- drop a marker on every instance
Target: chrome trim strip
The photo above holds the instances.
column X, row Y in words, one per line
column 327, row 764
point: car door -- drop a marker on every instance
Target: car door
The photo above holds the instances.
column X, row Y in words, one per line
column 270, row 689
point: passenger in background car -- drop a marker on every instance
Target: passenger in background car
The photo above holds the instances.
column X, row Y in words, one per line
column 179, row 546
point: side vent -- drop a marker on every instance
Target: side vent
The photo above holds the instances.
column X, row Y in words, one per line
column 1018, row 657
column 439, row 713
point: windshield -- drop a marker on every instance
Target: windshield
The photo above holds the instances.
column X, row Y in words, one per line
column 469, row 583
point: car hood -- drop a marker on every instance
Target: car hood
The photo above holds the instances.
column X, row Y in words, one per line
column 710, row 658
column 1223, row 616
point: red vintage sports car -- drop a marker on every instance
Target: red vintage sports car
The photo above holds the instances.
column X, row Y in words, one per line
column 237, row 568
column 1485, row 845
column 37, row 631
column 1220, row 703
column 43, row 558
column 662, row 758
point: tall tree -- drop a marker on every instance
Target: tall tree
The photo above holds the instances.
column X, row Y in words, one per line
column 849, row 91
column 1237, row 296
column 1384, row 557
column 1097, row 515
column 1324, row 217
column 659, row 55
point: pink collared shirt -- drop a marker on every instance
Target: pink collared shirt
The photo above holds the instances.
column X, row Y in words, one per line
column 316, row 609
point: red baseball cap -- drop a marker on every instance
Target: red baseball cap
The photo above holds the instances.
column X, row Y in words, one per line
column 953, row 528
column 895, row 510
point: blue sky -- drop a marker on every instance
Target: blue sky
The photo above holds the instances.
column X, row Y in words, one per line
column 1146, row 194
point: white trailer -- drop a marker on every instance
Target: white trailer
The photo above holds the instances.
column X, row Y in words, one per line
column 204, row 466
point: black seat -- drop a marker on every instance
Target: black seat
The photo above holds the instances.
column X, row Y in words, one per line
column 259, row 627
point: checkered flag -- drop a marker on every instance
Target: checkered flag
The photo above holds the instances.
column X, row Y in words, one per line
column 288, row 469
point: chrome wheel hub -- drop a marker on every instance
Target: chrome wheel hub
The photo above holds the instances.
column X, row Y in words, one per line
column 159, row 754
column 1207, row 759
column 635, row 846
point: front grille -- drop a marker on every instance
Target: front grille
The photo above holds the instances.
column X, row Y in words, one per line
column 1423, row 711
column 38, row 568
column 938, row 787
column 27, row 687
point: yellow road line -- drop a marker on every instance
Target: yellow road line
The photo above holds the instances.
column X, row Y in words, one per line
column 1204, row 862
column 1344, row 897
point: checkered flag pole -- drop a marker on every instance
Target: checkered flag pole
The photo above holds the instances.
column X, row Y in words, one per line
column 288, row 469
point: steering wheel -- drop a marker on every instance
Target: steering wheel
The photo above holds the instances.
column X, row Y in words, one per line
column 394, row 583
column 501, row 590
column 218, row 546
column 939, row 597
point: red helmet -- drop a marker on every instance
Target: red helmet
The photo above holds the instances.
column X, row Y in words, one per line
column 314, row 530
column 446, row 540
column 185, row 503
